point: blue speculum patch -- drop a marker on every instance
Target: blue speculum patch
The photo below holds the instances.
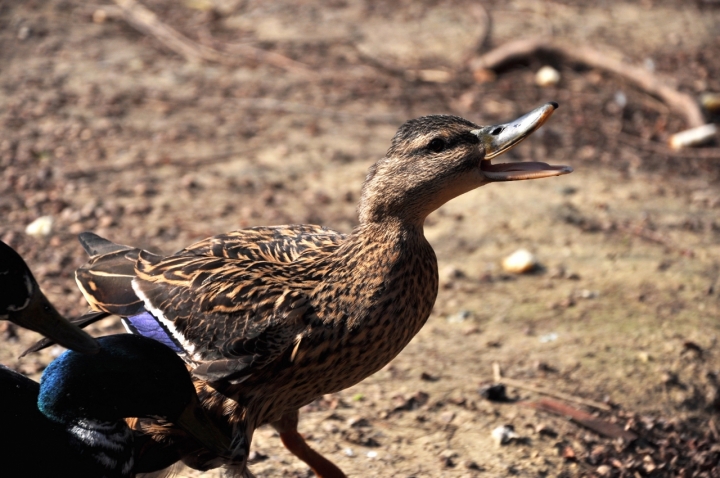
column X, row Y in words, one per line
column 149, row 326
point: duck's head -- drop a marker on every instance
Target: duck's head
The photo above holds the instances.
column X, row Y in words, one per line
column 131, row 376
column 436, row 158
column 23, row 303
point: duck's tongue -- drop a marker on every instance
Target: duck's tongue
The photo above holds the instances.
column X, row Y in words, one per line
column 500, row 138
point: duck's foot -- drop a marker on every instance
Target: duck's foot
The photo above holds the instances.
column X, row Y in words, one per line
column 296, row 444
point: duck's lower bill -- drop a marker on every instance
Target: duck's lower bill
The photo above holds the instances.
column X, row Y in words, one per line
column 521, row 171
column 497, row 139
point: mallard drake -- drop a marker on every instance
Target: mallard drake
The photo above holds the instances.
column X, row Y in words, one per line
column 71, row 424
column 23, row 303
column 270, row 318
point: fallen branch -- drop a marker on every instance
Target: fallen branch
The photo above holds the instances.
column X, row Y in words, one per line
column 598, row 425
column 660, row 148
column 147, row 22
column 682, row 103
column 498, row 378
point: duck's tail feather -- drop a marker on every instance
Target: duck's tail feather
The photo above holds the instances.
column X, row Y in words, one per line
column 106, row 279
column 95, row 245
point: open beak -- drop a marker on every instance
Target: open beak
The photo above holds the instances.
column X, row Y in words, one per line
column 197, row 423
column 40, row 315
column 500, row 138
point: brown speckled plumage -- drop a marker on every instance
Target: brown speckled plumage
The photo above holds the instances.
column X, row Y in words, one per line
column 274, row 317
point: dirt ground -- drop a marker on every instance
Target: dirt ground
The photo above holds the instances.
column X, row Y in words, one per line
column 105, row 129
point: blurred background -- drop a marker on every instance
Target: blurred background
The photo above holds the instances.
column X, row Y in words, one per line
column 159, row 123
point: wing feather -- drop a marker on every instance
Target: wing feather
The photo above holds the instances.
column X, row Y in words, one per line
column 237, row 302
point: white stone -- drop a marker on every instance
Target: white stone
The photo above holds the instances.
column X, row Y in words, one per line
column 547, row 76
column 503, row 434
column 519, row 262
column 40, row 227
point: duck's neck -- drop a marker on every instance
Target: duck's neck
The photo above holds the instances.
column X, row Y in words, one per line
column 379, row 291
column 392, row 230
column 109, row 443
column 391, row 272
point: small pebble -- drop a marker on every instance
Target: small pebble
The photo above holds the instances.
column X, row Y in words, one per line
column 428, row 377
column 620, row 99
column 568, row 190
column 460, row 317
column 372, row 454
column 434, row 76
column 349, row 452
column 519, row 262
column 604, row 470
column 330, row 427
column 495, row 392
column 547, row 76
column 711, row 102
column 23, row 33
column 503, row 434
column 568, row 453
column 452, row 272
column 551, row 337
column 447, row 417
column 543, row 429
column 40, row 227
column 358, row 422
column 99, row 16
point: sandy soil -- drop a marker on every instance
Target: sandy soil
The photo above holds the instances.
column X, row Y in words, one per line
column 105, row 129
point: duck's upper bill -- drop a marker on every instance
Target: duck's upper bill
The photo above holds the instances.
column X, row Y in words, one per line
column 500, row 138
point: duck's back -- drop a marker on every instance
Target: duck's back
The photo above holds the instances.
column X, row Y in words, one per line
column 106, row 280
column 279, row 244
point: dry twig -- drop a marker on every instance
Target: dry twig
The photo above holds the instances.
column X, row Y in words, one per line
column 660, row 148
column 682, row 103
column 497, row 377
column 147, row 22
column 598, row 425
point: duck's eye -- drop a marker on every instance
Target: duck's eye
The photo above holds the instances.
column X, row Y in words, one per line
column 437, row 145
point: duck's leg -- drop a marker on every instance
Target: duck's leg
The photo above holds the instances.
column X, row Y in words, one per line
column 295, row 443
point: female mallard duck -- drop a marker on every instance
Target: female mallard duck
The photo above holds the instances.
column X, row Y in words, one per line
column 273, row 317
column 23, row 303
column 71, row 424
